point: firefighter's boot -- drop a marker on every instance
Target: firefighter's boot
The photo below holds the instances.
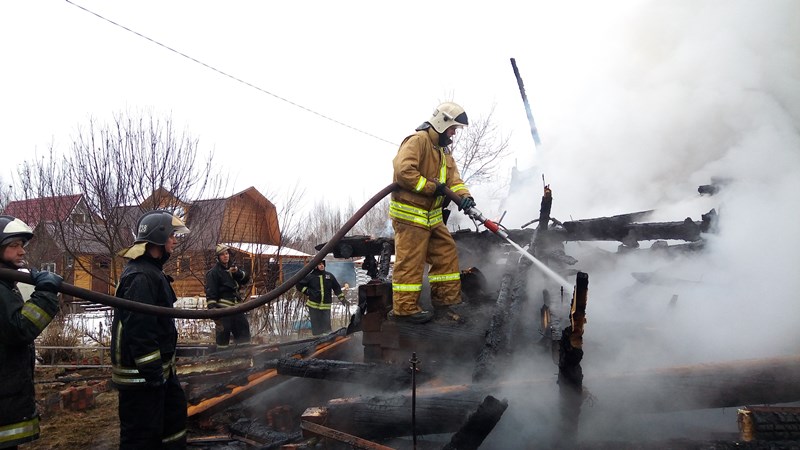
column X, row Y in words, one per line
column 420, row 317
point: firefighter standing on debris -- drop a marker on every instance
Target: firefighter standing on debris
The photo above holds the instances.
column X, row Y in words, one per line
column 20, row 323
column 423, row 166
column 222, row 291
column 152, row 404
column 317, row 286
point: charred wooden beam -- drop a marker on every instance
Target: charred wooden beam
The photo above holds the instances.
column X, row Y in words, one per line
column 312, row 426
column 618, row 228
column 769, row 423
column 441, row 410
column 258, row 435
column 382, row 376
column 478, row 425
column 218, row 397
column 500, row 333
column 718, row 385
column 570, row 373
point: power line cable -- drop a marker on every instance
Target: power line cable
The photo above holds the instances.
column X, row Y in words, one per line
column 221, row 72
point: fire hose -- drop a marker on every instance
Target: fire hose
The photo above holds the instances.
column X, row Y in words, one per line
column 116, row 302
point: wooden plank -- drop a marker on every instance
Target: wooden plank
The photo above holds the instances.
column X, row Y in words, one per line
column 330, row 433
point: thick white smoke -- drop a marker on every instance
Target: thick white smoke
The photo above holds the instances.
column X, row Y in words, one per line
column 687, row 91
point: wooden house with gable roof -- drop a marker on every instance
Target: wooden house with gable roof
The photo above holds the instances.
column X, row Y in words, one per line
column 65, row 242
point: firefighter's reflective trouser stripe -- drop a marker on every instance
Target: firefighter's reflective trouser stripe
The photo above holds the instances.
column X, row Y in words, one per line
column 20, row 432
column 153, row 417
column 413, row 247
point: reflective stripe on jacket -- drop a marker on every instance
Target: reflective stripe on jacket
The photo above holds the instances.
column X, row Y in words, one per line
column 20, row 323
column 143, row 345
column 318, row 285
column 418, row 166
column 222, row 286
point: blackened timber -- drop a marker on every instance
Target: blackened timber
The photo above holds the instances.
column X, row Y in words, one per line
column 570, row 373
column 441, row 410
column 383, row 376
column 717, row 385
column 336, row 435
column 769, row 423
column 502, row 327
column 478, row 425
column 619, row 228
column 254, row 433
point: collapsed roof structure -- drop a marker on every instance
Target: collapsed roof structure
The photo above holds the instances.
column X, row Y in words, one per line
column 514, row 350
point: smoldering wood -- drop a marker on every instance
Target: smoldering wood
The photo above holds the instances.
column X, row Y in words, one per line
column 769, row 423
column 478, row 425
column 381, row 376
column 315, row 429
column 499, row 334
column 205, row 400
column 570, row 372
column 440, row 410
column 256, row 434
column 716, row 385
column 495, row 339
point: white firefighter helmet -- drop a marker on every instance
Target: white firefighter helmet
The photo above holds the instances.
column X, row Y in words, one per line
column 222, row 248
column 446, row 115
column 12, row 229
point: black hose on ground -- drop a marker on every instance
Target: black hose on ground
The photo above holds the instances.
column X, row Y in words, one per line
column 115, row 302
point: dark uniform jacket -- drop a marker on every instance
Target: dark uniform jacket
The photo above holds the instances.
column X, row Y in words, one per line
column 20, row 323
column 143, row 345
column 222, row 287
column 318, row 285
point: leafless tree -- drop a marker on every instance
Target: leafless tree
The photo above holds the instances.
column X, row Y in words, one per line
column 479, row 149
column 132, row 164
column 6, row 191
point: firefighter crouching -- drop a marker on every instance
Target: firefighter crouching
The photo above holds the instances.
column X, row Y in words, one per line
column 152, row 404
column 222, row 291
column 20, row 323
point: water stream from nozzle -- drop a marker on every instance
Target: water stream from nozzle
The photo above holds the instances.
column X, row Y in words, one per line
column 547, row 271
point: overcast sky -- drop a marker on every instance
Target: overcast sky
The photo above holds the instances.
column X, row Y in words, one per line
column 377, row 67
column 637, row 103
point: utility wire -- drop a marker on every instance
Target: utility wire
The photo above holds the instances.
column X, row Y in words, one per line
column 221, row 72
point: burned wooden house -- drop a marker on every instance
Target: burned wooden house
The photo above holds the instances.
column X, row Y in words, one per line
column 509, row 369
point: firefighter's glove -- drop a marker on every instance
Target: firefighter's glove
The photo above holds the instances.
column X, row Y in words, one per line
column 156, row 383
column 343, row 301
column 440, row 187
column 466, row 203
column 46, row 281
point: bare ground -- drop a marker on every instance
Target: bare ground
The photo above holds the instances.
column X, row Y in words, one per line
column 96, row 427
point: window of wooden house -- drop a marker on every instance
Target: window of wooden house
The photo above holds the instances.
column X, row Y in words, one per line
column 49, row 267
column 184, row 264
column 101, row 263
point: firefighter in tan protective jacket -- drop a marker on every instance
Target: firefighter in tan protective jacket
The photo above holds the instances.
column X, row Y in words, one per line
column 422, row 167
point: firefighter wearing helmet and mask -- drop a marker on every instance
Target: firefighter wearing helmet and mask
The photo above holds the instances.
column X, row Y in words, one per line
column 20, row 323
column 222, row 291
column 152, row 404
column 422, row 167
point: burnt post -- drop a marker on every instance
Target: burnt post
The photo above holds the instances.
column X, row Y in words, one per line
column 570, row 373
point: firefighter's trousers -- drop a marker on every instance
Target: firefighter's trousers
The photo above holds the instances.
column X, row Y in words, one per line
column 413, row 247
column 320, row 320
column 153, row 417
column 235, row 325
